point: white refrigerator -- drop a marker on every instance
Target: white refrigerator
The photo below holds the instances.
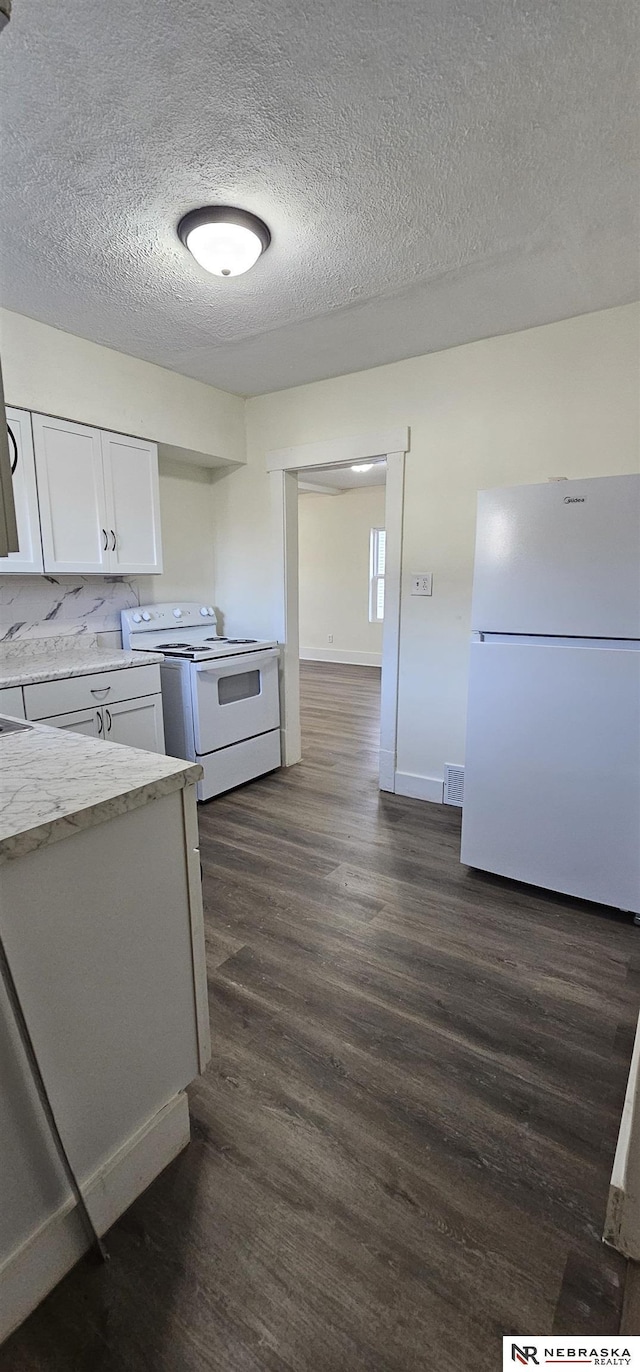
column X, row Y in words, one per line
column 552, row 762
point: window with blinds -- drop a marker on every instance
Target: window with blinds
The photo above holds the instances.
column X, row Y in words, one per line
column 377, row 553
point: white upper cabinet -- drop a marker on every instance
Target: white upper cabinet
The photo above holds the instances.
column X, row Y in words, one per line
column 72, row 499
column 99, row 505
column 29, row 558
column 133, row 505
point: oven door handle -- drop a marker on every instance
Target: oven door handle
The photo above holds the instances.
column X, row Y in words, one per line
column 241, row 662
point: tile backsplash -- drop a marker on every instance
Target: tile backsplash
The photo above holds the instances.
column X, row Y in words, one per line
column 43, row 606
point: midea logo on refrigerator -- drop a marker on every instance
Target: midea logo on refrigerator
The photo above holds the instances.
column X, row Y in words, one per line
column 574, row 499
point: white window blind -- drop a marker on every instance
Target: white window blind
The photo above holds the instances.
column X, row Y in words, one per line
column 377, row 555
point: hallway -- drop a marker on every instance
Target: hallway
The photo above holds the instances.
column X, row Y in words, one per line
column 402, row 1146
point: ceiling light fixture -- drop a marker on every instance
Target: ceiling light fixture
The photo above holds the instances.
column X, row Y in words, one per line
column 363, row 467
column 224, row 240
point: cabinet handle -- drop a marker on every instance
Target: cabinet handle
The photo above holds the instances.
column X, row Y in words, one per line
column 113, row 545
column 106, row 540
column 108, row 714
column 12, row 440
column 98, row 691
column 100, row 721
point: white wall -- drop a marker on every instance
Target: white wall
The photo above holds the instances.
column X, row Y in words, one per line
column 552, row 401
column 557, row 400
column 187, row 517
column 56, row 373
column 47, row 370
column 37, row 606
column 333, row 556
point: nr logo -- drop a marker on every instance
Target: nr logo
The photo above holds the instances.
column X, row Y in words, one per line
column 527, row 1354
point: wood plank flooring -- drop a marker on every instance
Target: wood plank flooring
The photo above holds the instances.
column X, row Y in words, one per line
column 402, row 1146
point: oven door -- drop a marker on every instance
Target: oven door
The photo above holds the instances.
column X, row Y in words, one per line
column 235, row 698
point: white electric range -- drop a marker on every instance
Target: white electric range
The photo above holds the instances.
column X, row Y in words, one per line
column 220, row 696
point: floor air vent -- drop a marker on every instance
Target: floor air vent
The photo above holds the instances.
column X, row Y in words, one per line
column 453, row 785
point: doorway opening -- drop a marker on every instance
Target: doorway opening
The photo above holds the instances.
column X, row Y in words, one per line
column 308, row 465
column 341, row 593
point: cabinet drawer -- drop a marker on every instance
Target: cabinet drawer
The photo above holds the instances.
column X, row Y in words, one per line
column 46, row 698
column 11, row 702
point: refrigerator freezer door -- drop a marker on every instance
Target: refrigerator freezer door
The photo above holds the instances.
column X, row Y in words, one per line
column 561, row 558
column 552, row 768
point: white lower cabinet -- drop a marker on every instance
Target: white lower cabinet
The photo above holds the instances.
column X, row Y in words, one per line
column 11, row 702
column 123, row 706
column 136, row 722
column 87, row 721
column 108, row 955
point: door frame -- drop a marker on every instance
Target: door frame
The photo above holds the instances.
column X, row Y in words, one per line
column 283, row 465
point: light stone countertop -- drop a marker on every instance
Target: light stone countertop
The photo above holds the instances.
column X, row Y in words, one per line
column 53, row 783
column 25, row 661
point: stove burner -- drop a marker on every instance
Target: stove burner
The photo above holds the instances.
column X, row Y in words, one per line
column 192, row 650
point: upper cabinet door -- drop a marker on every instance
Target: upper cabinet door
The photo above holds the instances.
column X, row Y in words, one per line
column 71, row 492
column 29, row 558
column 133, row 505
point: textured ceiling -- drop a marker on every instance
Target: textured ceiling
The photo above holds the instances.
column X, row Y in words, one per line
column 433, row 171
column 342, row 478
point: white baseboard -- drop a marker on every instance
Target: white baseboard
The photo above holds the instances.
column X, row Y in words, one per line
column 345, row 655
column 29, row 1273
column 418, row 787
column 387, row 771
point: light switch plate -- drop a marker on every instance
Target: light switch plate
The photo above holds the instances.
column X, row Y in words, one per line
column 422, row 583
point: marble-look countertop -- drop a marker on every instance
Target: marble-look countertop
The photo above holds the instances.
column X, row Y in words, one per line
column 53, row 783
column 28, row 660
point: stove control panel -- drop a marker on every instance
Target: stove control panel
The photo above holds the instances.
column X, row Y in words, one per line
column 143, row 618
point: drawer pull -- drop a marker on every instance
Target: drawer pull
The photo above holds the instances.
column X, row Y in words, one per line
column 113, row 545
column 100, row 691
column 109, row 721
column 100, row 721
column 106, row 540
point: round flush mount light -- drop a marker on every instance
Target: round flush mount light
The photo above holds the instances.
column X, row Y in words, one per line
column 224, row 240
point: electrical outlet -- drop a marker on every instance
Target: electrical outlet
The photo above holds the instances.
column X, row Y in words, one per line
column 331, row 638
column 422, row 583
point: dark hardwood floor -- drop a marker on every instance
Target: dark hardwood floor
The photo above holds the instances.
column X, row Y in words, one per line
column 402, row 1146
